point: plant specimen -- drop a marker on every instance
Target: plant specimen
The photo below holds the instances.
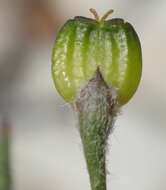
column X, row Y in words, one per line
column 96, row 67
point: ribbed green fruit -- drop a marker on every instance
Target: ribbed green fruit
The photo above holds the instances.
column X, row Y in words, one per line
column 83, row 45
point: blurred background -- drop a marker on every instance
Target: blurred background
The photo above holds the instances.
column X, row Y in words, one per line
column 46, row 149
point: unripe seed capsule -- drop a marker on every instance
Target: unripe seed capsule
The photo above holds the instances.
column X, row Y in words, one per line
column 83, row 45
column 96, row 66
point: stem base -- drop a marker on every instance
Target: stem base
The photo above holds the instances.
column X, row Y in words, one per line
column 96, row 107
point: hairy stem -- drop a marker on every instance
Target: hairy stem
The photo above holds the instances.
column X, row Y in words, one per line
column 96, row 108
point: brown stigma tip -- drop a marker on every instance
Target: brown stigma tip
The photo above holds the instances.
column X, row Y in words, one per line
column 107, row 14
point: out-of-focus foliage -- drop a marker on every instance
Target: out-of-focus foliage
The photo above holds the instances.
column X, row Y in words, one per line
column 5, row 175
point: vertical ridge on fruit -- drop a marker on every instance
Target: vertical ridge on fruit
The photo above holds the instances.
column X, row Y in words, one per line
column 91, row 55
column 121, row 59
column 133, row 74
column 86, row 52
column 69, row 60
column 113, row 72
column 107, row 55
column 61, row 57
column 78, row 54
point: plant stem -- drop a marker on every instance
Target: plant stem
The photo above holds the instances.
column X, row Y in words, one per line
column 96, row 107
column 5, row 179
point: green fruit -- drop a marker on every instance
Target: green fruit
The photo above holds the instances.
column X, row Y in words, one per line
column 83, row 45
